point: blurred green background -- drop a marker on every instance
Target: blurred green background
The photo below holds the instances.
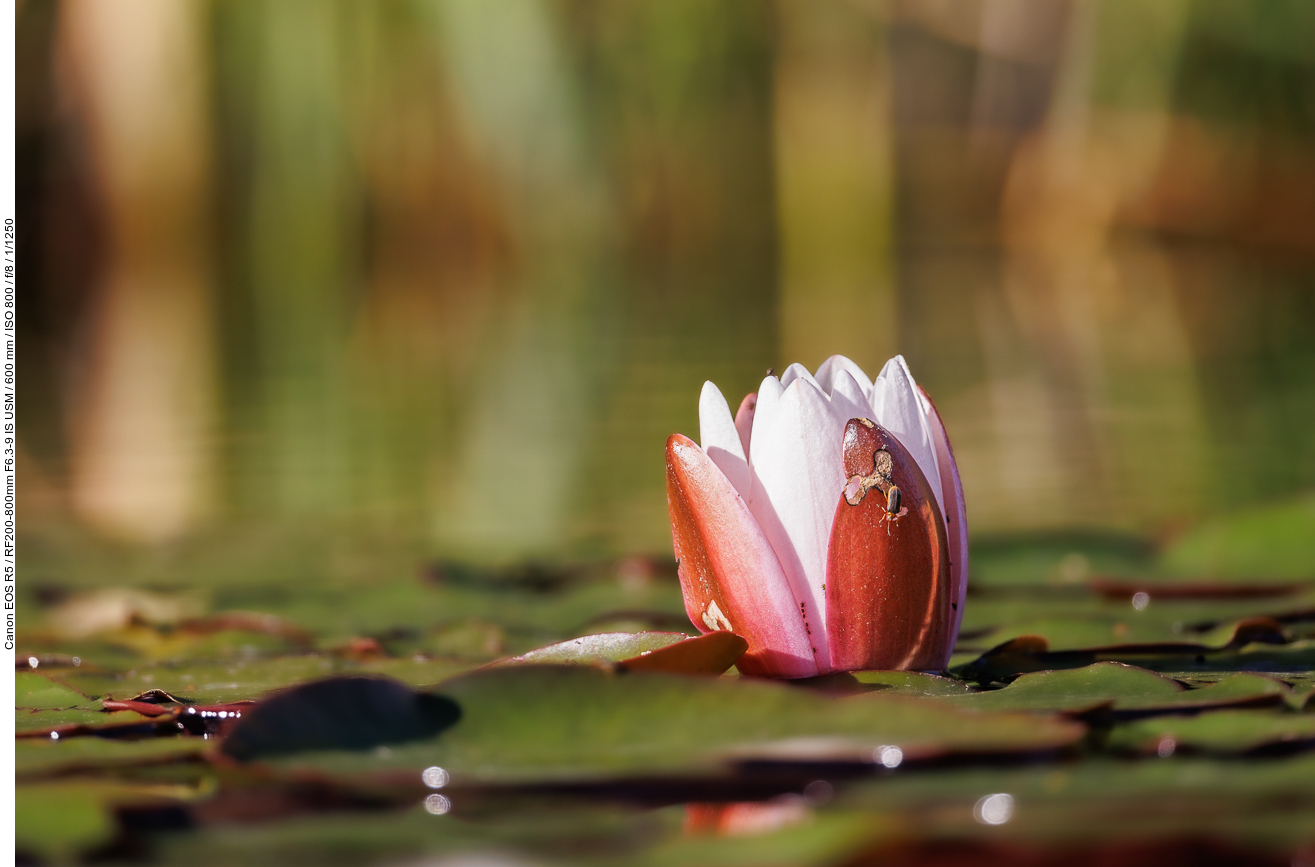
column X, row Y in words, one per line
column 445, row 274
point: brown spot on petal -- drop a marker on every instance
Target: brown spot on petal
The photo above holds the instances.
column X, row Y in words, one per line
column 867, row 468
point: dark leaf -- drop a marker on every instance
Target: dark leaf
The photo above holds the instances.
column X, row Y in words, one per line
column 340, row 713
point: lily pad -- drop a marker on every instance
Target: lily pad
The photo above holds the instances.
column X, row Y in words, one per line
column 44, row 720
column 912, row 683
column 35, row 758
column 36, row 691
column 1031, row 653
column 59, row 821
column 540, row 723
column 1123, row 689
column 210, row 683
column 673, row 652
column 1222, row 732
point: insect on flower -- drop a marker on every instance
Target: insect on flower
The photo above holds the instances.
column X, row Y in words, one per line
column 824, row 522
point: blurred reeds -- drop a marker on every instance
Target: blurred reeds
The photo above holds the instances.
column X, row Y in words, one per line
column 458, row 268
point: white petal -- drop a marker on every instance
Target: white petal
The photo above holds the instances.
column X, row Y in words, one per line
column 720, row 439
column 744, row 420
column 769, row 397
column 826, row 375
column 848, row 397
column 900, row 410
column 796, row 371
column 798, row 477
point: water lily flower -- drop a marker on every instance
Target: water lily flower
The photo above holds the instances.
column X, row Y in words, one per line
column 824, row 522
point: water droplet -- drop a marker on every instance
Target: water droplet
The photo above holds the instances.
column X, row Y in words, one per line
column 437, row 804
column 435, row 777
column 818, row 792
column 1165, row 747
column 33, row 662
column 54, row 736
column 994, row 809
column 1140, row 600
column 888, row 756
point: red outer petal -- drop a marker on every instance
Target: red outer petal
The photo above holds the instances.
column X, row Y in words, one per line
column 956, row 517
column 888, row 578
column 727, row 562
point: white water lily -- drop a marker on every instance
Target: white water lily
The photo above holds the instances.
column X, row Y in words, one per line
column 754, row 518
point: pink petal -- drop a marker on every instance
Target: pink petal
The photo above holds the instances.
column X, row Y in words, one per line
column 721, row 439
column 888, row 588
column 956, row 516
column 744, row 419
column 899, row 410
column 729, row 574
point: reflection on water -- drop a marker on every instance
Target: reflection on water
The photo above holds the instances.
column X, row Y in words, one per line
column 437, row 804
column 457, row 270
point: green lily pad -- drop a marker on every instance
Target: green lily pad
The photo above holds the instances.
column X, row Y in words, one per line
column 674, row 652
column 33, row 690
column 912, row 683
column 1031, row 653
column 1077, row 618
column 1222, row 732
column 604, row 647
column 211, row 683
column 58, row 821
column 1120, row 688
column 25, row 721
column 415, row 671
column 538, row 723
column 36, row 757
